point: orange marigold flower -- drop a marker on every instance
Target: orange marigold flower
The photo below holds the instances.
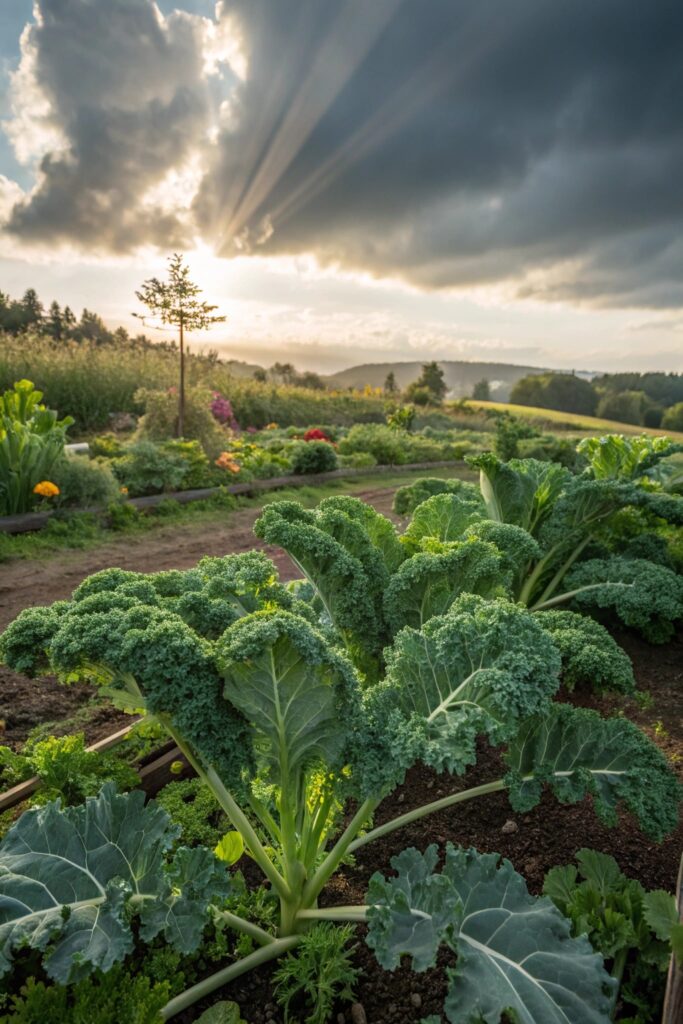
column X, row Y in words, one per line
column 226, row 461
column 123, row 490
column 271, row 426
column 46, row 489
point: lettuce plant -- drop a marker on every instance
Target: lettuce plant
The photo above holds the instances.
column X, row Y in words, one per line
column 290, row 702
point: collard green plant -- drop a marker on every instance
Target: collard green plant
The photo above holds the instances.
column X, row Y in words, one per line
column 72, row 880
column 290, row 701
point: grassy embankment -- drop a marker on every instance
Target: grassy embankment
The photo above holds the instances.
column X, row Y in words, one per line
column 569, row 421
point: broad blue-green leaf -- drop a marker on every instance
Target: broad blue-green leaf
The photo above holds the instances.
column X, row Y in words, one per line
column 225, row 1012
column 515, row 952
column 73, row 878
column 414, row 913
column 298, row 694
column 194, row 875
column 577, row 752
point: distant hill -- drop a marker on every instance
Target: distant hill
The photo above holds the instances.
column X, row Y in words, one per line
column 460, row 376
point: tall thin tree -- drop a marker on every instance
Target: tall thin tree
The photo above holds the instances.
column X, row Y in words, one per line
column 176, row 302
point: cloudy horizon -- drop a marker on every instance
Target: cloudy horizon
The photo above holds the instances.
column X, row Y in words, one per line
column 356, row 182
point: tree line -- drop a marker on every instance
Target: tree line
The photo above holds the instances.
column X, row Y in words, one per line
column 644, row 399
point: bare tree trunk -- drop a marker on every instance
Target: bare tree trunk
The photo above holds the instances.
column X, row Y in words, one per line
column 181, row 395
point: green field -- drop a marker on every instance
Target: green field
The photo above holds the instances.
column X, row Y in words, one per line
column 572, row 421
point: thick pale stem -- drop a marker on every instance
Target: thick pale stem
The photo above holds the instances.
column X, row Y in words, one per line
column 238, row 924
column 243, row 825
column 533, row 579
column 563, row 598
column 340, row 848
column 209, row 985
column 421, row 812
column 563, row 570
column 351, row 913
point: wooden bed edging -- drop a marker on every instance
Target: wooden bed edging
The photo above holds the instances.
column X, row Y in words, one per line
column 673, row 999
column 30, row 521
column 23, row 790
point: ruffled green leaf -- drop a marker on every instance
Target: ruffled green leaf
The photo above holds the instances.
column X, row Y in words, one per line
column 646, row 597
column 515, row 952
column 590, row 655
column 428, row 583
column 576, row 752
column 521, row 491
column 444, row 517
column 481, row 668
column 342, row 580
column 298, row 695
column 407, row 498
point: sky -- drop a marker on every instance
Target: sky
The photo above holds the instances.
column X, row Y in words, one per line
column 356, row 180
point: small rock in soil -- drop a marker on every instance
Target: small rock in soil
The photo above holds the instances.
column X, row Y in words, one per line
column 401, row 798
column 510, row 826
column 416, row 1000
column 358, row 1014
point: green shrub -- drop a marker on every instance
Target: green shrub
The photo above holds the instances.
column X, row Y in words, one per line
column 161, row 413
column 358, row 460
column 106, row 446
column 149, row 468
column 83, row 483
column 409, row 497
column 386, row 445
column 673, row 417
column 314, row 457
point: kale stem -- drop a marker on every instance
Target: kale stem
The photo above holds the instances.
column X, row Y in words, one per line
column 239, row 924
column 343, row 844
column 420, row 812
column 204, row 988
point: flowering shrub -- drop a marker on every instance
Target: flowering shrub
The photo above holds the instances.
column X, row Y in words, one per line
column 222, row 411
column 226, row 461
column 316, row 435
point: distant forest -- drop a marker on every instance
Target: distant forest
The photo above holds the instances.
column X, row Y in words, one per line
column 643, row 399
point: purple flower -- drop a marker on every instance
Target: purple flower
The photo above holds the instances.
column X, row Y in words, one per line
column 222, row 411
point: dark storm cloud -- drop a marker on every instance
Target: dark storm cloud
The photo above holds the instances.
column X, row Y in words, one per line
column 447, row 142
column 126, row 91
column 478, row 140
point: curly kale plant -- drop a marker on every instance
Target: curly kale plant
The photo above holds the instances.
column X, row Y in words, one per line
column 287, row 708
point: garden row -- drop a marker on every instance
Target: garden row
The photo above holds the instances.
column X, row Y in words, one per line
column 146, row 459
column 302, row 707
